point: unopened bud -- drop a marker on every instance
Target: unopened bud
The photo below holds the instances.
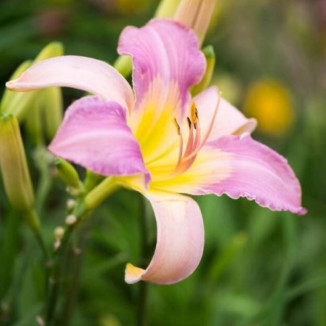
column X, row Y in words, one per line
column 210, row 65
column 67, row 173
column 167, row 8
column 8, row 95
column 14, row 167
column 53, row 110
column 53, row 49
column 196, row 14
column 19, row 102
column 124, row 65
column 33, row 122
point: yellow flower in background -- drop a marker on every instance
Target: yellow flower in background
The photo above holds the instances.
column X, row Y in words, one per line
column 271, row 103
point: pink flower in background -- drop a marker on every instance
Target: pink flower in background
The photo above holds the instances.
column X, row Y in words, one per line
column 158, row 140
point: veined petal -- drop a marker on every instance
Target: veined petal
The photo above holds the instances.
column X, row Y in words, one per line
column 166, row 62
column 166, row 58
column 180, row 241
column 94, row 134
column 229, row 120
column 240, row 167
column 83, row 73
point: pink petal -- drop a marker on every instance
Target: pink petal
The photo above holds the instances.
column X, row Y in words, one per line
column 94, row 134
column 229, row 120
column 180, row 241
column 258, row 173
column 83, row 73
column 167, row 61
column 240, row 167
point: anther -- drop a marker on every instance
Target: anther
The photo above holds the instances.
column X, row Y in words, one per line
column 189, row 122
column 177, row 125
column 194, row 114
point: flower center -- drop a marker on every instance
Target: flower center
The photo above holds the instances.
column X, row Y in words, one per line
column 188, row 155
column 194, row 141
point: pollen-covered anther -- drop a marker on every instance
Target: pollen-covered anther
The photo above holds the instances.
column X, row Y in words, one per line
column 193, row 141
column 194, row 114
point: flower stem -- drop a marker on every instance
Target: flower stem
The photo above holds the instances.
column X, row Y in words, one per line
column 55, row 279
column 143, row 286
column 142, row 304
column 45, row 182
column 75, row 263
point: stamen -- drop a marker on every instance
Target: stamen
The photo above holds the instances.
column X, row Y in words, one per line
column 190, row 138
column 194, row 143
column 189, row 122
column 177, row 125
column 181, row 143
column 209, row 130
column 194, row 114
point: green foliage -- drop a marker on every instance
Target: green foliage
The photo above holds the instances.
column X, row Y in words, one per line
column 259, row 267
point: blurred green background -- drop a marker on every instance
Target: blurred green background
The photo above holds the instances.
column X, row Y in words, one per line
column 259, row 267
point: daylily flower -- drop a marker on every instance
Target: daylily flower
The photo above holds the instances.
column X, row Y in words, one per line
column 161, row 142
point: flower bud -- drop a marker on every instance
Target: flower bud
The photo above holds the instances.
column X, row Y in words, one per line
column 167, row 8
column 53, row 110
column 18, row 102
column 68, row 174
column 8, row 95
column 13, row 164
column 210, row 65
column 53, row 49
column 196, row 14
column 124, row 65
column 33, row 122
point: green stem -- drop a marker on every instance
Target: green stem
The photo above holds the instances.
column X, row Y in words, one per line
column 101, row 192
column 143, row 286
column 82, row 210
column 142, row 304
column 40, row 241
column 55, row 278
column 45, row 182
column 76, row 256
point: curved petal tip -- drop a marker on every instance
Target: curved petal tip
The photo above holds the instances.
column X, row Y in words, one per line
column 133, row 274
column 180, row 241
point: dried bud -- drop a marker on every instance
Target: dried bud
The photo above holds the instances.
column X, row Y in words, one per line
column 59, row 232
column 70, row 204
column 196, row 14
column 71, row 219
